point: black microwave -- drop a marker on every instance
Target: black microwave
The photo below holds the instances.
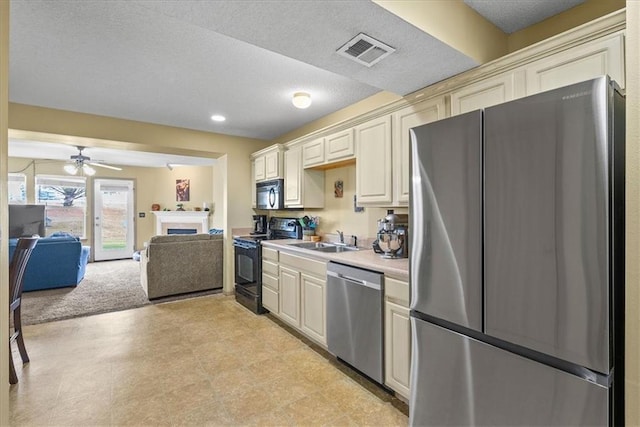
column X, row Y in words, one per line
column 270, row 194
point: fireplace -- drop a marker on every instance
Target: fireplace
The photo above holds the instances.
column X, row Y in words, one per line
column 182, row 230
column 181, row 222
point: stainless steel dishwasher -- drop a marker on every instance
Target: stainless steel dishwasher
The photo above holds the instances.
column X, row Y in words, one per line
column 354, row 318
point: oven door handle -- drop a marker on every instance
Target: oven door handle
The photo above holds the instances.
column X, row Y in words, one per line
column 244, row 245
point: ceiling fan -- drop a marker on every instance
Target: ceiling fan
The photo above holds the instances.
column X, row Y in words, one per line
column 83, row 163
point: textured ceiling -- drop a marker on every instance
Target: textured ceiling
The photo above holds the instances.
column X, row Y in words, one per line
column 178, row 62
column 514, row 15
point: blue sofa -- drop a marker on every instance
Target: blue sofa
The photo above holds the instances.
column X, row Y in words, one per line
column 56, row 262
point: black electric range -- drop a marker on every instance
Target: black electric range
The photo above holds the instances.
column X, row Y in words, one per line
column 248, row 260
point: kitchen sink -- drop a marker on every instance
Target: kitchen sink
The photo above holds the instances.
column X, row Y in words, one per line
column 312, row 245
column 337, row 248
column 324, row 247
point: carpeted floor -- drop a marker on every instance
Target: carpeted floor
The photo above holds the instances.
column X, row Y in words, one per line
column 107, row 286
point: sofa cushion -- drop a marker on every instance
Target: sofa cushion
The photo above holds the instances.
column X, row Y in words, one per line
column 169, row 238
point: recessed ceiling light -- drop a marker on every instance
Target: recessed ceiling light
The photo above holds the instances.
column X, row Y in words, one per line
column 218, row 118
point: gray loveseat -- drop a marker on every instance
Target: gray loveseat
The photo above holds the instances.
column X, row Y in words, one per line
column 181, row 263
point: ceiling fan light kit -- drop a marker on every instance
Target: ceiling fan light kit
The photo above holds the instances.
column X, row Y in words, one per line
column 301, row 100
column 82, row 162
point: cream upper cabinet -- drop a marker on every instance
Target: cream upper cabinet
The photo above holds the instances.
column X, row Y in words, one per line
column 403, row 120
column 397, row 337
column 303, row 188
column 584, row 62
column 258, row 169
column 333, row 148
column 485, row 93
column 292, row 177
column 268, row 163
column 272, row 165
column 254, row 195
column 339, row 146
column 313, row 153
column 373, row 162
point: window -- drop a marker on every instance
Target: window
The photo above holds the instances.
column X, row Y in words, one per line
column 17, row 189
column 66, row 203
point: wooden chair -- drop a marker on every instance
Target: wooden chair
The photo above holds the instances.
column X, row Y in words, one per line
column 16, row 275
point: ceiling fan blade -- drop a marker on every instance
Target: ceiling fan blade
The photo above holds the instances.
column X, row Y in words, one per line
column 100, row 165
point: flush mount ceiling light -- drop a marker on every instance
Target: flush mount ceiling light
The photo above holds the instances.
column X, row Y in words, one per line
column 218, row 118
column 301, row 100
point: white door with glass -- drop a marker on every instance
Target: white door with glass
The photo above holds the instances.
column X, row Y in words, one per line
column 113, row 227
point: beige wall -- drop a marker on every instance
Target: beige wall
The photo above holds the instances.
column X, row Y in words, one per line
column 366, row 105
column 479, row 38
column 581, row 14
column 4, row 270
column 153, row 185
column 632, row 366
column 454, row 23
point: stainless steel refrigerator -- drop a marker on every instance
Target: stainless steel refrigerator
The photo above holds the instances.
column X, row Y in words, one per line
column 517, row 262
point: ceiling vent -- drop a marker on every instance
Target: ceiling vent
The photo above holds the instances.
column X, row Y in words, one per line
column 365, row 50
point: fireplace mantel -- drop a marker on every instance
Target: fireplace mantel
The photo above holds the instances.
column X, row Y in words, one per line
column 181, row 220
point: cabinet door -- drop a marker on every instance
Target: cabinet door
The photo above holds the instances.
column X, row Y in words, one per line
column 258, row 168
column 314, row 307
column 254, row 200
column 292, row 177
column 373, row 162
column 397, row 347
column 290, row 296
column 270, row 300
column 339, row 146
column 483, row 94
column 313, row 153
column 272, row 165
column 584, row 62
column 403, row 120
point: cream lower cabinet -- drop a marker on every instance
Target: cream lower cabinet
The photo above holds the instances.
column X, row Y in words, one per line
column 270, row 280
column 314, row 308
column 290, row 296
column 397, row 337
column 302, row 295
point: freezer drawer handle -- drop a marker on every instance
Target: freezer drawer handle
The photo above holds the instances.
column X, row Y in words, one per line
column 354, row 280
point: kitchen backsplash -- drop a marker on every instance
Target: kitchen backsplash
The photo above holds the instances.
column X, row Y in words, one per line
column 338, row 213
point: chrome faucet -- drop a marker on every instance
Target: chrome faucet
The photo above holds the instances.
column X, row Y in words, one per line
column 341, row 234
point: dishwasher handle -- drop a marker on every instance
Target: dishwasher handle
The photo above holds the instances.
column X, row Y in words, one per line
column 354, row 280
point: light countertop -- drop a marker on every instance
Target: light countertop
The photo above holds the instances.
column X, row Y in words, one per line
column 364, row 258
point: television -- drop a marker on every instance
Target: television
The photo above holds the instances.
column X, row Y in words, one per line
column 26, row 220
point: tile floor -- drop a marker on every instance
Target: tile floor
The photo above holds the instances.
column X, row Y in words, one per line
column 202, row 361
